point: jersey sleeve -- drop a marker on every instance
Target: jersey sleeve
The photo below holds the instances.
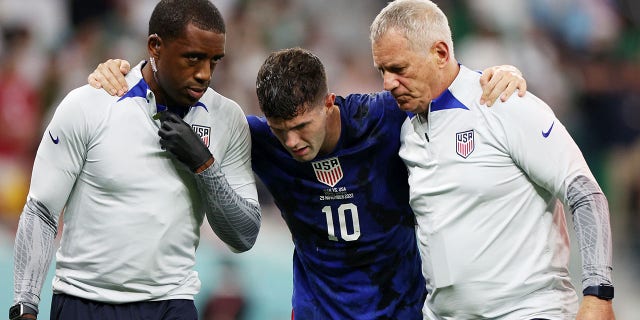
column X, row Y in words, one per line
column 228, row 187
column 236, row 165
column 58, row 162
column 61, row 152
column 541, row 146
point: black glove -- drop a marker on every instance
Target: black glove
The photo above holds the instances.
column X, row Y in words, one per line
column 177, row 137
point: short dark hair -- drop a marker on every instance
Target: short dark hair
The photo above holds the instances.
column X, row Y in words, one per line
column 170, row 17
column 289, row 82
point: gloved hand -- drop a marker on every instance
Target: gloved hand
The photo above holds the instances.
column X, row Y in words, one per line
column 177, row 137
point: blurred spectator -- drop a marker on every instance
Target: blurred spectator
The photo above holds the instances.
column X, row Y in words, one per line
column 506, row 35
column 19, row 105
column 228, row 301
column 582, row 25
column 19, row 121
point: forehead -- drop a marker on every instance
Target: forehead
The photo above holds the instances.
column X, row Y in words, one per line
column 389, row 47
column 307, row 116
column 195, row 39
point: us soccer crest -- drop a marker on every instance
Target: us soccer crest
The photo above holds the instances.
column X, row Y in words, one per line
column 328, row 171
column 202, row 132
column 464, row 143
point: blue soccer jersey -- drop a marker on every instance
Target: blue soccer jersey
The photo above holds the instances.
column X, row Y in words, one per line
column 355, row 253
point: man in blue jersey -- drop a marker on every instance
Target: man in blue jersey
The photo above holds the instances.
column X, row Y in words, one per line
column 332, row 166
column 136, row 176
column 485, row 184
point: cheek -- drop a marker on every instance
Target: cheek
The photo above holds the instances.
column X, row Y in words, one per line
column 180, row 74
column 420, row 85
column 305, row 136
column 407, row 83
column 317, row 136
column 167, row 75
column 410, row 86
column 176, row 73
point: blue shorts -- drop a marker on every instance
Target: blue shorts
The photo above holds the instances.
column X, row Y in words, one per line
column 66, row 307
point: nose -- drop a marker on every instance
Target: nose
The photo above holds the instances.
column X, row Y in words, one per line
column 291, row 139
column 204, row 71
column 389, row 81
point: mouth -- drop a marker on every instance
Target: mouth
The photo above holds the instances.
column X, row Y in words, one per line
column 402, row 99
column 401, row 95
column 300, row 152
column 196, row 92
column 405, row 103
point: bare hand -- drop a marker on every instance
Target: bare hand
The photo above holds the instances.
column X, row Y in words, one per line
column 501, row 81
column 110, row 76
column 593, row 308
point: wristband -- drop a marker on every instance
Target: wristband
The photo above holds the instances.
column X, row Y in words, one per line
column 603, row 291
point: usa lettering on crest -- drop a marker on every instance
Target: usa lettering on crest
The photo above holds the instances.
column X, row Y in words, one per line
column 464, row 143
column 203, row 132
column 328, row 171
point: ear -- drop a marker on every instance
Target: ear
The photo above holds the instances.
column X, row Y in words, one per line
column 441, row 52
column 154, row 43
column 330, row 100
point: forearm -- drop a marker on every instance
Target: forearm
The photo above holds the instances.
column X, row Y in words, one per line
column 234, row 219
column 33, row 251
column 591, row 222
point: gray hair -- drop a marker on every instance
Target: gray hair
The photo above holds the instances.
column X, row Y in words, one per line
column 421, row 21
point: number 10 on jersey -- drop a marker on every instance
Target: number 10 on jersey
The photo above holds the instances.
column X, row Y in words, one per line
column 344, row 209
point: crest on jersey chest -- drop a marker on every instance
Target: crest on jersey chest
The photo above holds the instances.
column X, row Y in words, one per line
column 202, row 132
column 465, row 143
column 328, row 171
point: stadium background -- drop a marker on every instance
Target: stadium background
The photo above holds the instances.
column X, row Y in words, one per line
column 581, row 56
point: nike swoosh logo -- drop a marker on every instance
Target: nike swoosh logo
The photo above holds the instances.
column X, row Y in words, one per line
column 546, row 134
column 55, row 140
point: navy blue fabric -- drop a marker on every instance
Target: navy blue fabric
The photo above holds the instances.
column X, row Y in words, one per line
column 66, row 307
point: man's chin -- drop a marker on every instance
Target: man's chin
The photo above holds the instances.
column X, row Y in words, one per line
column 298, row 157
column 408, row 107
column 304, row 157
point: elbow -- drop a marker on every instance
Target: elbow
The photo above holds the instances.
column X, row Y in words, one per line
column 241, row 249
column 248, row 239
column 244, row 246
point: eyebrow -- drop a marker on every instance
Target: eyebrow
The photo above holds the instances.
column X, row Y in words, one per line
column 297, row 126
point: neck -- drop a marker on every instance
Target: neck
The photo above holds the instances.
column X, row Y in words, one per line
column 450, row 73
column 147, row 75
column 334, row 129
column 151, row 79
